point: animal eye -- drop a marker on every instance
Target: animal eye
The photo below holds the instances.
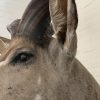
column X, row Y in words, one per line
column 22, row 58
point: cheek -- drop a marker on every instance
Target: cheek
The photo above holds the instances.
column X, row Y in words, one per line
column 20, row 83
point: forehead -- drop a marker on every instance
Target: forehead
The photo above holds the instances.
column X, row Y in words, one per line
column 21, row 41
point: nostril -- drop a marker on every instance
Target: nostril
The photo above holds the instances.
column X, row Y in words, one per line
column 10, row 91
column 10, row 88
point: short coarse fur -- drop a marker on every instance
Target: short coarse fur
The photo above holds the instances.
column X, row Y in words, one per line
column 52, row 72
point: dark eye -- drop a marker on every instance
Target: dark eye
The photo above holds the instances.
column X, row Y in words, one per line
column 22, row 57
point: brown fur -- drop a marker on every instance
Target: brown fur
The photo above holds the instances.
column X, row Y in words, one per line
column 51, row 72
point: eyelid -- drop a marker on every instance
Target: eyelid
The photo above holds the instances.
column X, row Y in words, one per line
column 17, row 58
column 24, row 50
column 10, row 53
column 18, row 51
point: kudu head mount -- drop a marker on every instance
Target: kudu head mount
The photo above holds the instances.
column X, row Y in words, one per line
column 36, row 66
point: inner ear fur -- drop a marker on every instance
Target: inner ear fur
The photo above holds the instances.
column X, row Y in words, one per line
column 64, row 21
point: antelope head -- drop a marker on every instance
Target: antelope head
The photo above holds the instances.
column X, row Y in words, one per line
column 36, row 66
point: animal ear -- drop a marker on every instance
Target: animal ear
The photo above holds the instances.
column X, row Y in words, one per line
column 64, row 21
column 12, row 28
column 35, row 21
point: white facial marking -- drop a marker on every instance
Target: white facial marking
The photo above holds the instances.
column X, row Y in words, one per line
column 39, row 80
column 38, row 97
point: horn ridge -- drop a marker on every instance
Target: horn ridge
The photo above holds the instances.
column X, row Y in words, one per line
column 35, row 15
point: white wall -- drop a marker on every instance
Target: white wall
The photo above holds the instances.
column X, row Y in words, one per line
column 9, row 11
column 89, row 35
column 88, row 29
